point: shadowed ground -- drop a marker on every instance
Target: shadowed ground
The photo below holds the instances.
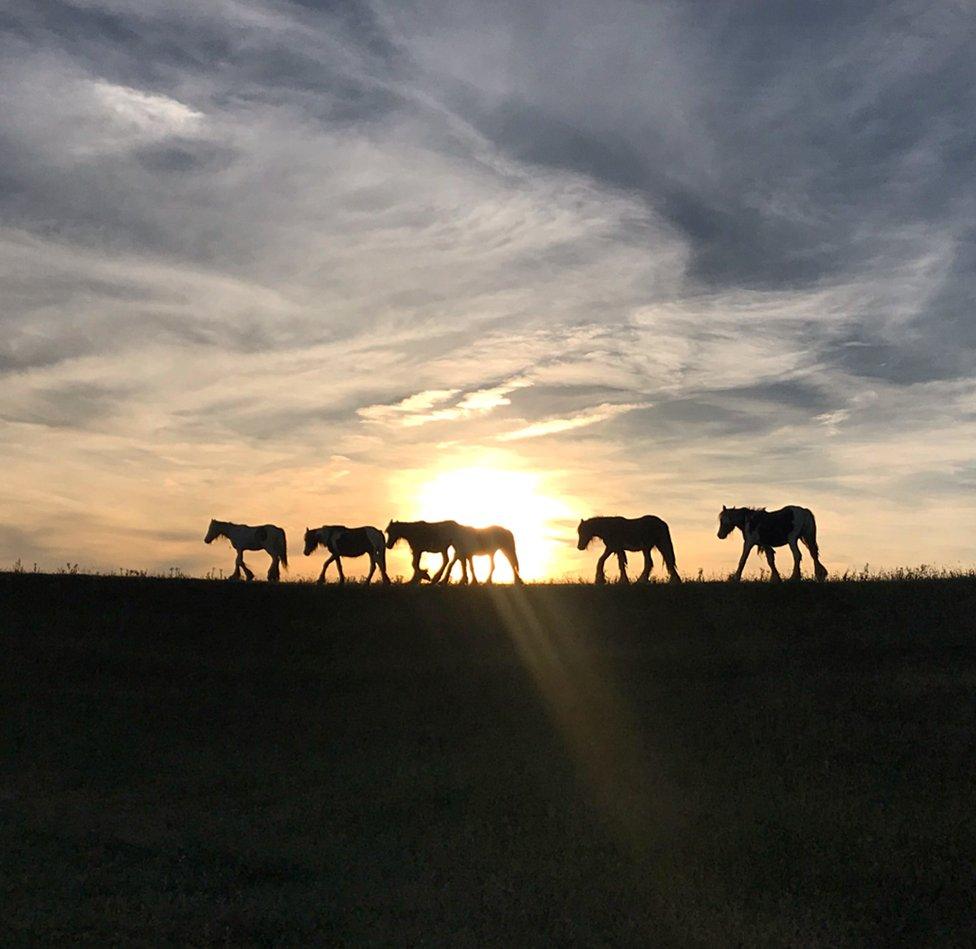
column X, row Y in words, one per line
column 188, row 761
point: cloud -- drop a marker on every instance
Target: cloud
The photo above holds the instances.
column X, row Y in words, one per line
column 553, row 426
column 248, row 247
column 413, row 406
column 146, row 114
column 419, row 409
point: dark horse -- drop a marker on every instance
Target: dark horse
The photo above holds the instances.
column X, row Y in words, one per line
column 621, row 534
column 434, row 537
column 768, row 529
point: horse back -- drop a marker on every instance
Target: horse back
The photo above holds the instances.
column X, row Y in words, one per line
column 432, row 536
column 633, row 533
column 774, row 528
column 261, row 536
column 484, row 540
column 356, row 541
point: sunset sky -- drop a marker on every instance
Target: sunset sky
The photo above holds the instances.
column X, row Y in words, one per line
column 523, row 262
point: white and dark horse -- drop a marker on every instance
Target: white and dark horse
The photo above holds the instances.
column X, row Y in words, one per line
column 243, row 537
column 766, row 530
column 341, row 541
column 620, row 534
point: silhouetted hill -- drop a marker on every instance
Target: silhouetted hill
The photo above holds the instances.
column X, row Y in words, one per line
column 192, row 761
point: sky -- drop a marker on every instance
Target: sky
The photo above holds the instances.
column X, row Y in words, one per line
column 307, row 263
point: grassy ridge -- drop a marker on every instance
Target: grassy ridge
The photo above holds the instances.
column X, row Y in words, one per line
column 195, row 762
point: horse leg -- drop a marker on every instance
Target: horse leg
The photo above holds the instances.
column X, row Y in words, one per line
column 325, row 567
column 491, row 571
column 622, row 563
column 474, row 576
column 774, row 576
column 444, row 559
column 372, row 567
column 342, row 576
column 238, row 563
column 416, row 566
column 447, row 568
column 648, row 566
column 601, row 576
column 274, row 571
column 795, row 548
column 746, row 550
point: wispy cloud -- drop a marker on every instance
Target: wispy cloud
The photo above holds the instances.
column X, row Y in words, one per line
column 553, row 426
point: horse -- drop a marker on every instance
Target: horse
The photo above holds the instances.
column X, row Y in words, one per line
column 766, row 530
column 434, row 537
column 243, row 537
column 341, row 541
column 620, row 534
column 471, row 542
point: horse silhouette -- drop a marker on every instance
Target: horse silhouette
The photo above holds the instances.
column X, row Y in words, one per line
column 620, row 534
column 434, row 537
column 766, row 530
column 342, row 541
column 243, row 537
column 471, row 542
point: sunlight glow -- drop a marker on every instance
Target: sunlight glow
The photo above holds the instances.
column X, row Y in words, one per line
column 481, row 496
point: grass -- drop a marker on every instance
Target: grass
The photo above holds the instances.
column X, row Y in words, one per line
column 195, row 762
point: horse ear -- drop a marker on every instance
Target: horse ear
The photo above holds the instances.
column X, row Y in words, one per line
column 724, row 508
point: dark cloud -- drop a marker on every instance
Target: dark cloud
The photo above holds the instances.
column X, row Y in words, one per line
column 75, row 405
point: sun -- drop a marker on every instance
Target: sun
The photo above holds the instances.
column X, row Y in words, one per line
column 480, row 496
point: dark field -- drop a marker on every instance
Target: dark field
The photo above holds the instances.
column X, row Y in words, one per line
column 193, row 762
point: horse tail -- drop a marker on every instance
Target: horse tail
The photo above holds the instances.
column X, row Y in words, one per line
column 512, row 556
column 284, row 550
column 380, row 548
column 809, row 536
column 667, row 552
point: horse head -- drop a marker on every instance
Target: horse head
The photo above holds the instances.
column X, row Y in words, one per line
column 311, row 541
column 726, row 522
column 393, row 534
column 586, row 532
column 213, row 532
